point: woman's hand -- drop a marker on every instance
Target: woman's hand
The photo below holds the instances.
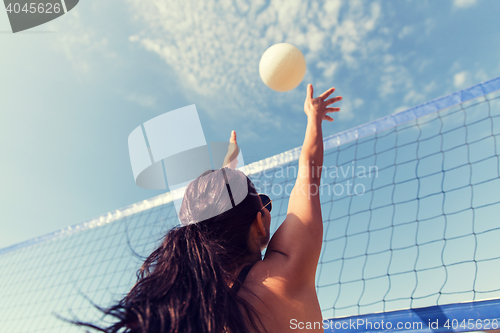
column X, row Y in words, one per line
column 317, row 108
column 231, row 160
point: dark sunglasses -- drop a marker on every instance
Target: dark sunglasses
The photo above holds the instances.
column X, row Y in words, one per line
column 266, row 202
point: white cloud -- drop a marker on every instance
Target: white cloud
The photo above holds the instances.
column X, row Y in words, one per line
column 465, row 79
column 328, row 68
column 481, row 76
column 413, row 97
column 430, row 87
column 347, row 109
column 215, row 48
column 395, row 78
column 81, row 43
column 430, row 25
column 460, row 79
column 329, row 15
column 357, row 102
column 142, row 100
column 464, row 3
column 401, row 108
column 351, row 34
column 407, row 30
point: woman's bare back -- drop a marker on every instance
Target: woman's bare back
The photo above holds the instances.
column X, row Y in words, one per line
column 281, row 307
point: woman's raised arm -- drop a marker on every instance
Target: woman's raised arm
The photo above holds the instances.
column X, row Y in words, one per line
column 300, row 236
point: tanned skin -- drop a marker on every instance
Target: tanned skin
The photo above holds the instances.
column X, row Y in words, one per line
column 281, row 287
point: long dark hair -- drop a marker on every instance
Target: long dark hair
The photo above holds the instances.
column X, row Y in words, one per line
column 183, row 285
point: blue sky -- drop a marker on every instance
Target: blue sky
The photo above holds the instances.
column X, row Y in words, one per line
column 72, row 90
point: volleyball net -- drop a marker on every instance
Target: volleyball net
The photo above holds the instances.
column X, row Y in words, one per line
column 410, row 203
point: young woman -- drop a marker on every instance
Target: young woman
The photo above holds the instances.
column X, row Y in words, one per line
column 209, row 275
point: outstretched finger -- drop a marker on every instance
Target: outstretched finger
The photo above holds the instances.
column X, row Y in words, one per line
column 310, row 91
column 332, row 109
column 232, row 139
column 330, row 119
column 327, row 93
column 333, row 100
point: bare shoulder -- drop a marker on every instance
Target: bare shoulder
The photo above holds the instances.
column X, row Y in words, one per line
column 268, row 289
column 294, row 249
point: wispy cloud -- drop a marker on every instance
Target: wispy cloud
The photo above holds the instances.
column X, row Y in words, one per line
column 413, row 97
column 352, row 31
column 215, row 48
column 349, row 108
column 395, row 77
column 327, row 68
column 464, row 3
column 407, row 30
column 81, row 43
column 142, row 100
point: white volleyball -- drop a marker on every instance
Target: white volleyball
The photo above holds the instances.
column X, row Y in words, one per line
column 282, row 67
